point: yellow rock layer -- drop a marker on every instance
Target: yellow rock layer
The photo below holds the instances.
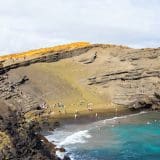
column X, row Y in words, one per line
column 42, row 51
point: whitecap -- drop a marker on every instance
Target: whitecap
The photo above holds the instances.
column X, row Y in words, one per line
column 61, row 155
column 77, row 137
column 121, row 117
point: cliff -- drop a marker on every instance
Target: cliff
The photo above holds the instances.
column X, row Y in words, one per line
column 107, row 75
column 80, row 79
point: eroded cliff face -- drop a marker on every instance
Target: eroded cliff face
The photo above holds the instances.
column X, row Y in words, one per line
column 105, row 75
column 136, row 78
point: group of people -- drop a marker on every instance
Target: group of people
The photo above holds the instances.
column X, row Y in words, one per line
column 61, row 107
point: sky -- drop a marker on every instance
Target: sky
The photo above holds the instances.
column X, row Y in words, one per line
column 31, row 24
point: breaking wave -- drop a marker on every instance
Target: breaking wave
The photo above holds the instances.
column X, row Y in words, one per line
column 77, row 137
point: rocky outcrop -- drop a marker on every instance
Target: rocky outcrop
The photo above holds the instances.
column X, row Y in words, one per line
column 136, row 85
column 135, row 89
column 141, row 54
column 26, row 142
column 13, row 96
column 89, row 60
column 128, row 75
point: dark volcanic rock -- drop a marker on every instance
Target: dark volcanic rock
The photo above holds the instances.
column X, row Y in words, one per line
column 26, row 143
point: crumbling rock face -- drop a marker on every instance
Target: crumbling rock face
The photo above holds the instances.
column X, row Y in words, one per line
column 136, row 88
column 89, row 60
column 146, row 102
column 128, row 75
column 13, row 96
column 138, row 85
column 141, row 54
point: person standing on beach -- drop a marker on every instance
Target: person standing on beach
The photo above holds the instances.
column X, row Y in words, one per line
column 75, row 116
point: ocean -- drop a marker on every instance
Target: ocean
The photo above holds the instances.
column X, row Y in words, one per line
column 130, row 137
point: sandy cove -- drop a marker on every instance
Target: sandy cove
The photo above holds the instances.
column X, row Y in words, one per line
column 80, row 80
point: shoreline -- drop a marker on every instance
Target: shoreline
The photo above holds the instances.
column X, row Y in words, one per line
column 87, row 120
column 76, row 86
column 71, row 144
column 84, row 117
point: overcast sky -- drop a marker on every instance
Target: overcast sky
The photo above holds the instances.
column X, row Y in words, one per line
column 29, row 24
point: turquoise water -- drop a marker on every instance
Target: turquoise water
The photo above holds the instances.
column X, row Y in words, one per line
column 135, row 137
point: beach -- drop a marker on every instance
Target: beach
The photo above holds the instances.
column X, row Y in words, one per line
column 111, row 138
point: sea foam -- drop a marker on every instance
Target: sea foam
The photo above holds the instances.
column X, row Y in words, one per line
column 77, row 137
column 101, row 123
column 62, row 138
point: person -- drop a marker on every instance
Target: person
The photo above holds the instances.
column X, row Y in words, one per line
column 89, row 106
column 95, row 56
column 75, row 116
